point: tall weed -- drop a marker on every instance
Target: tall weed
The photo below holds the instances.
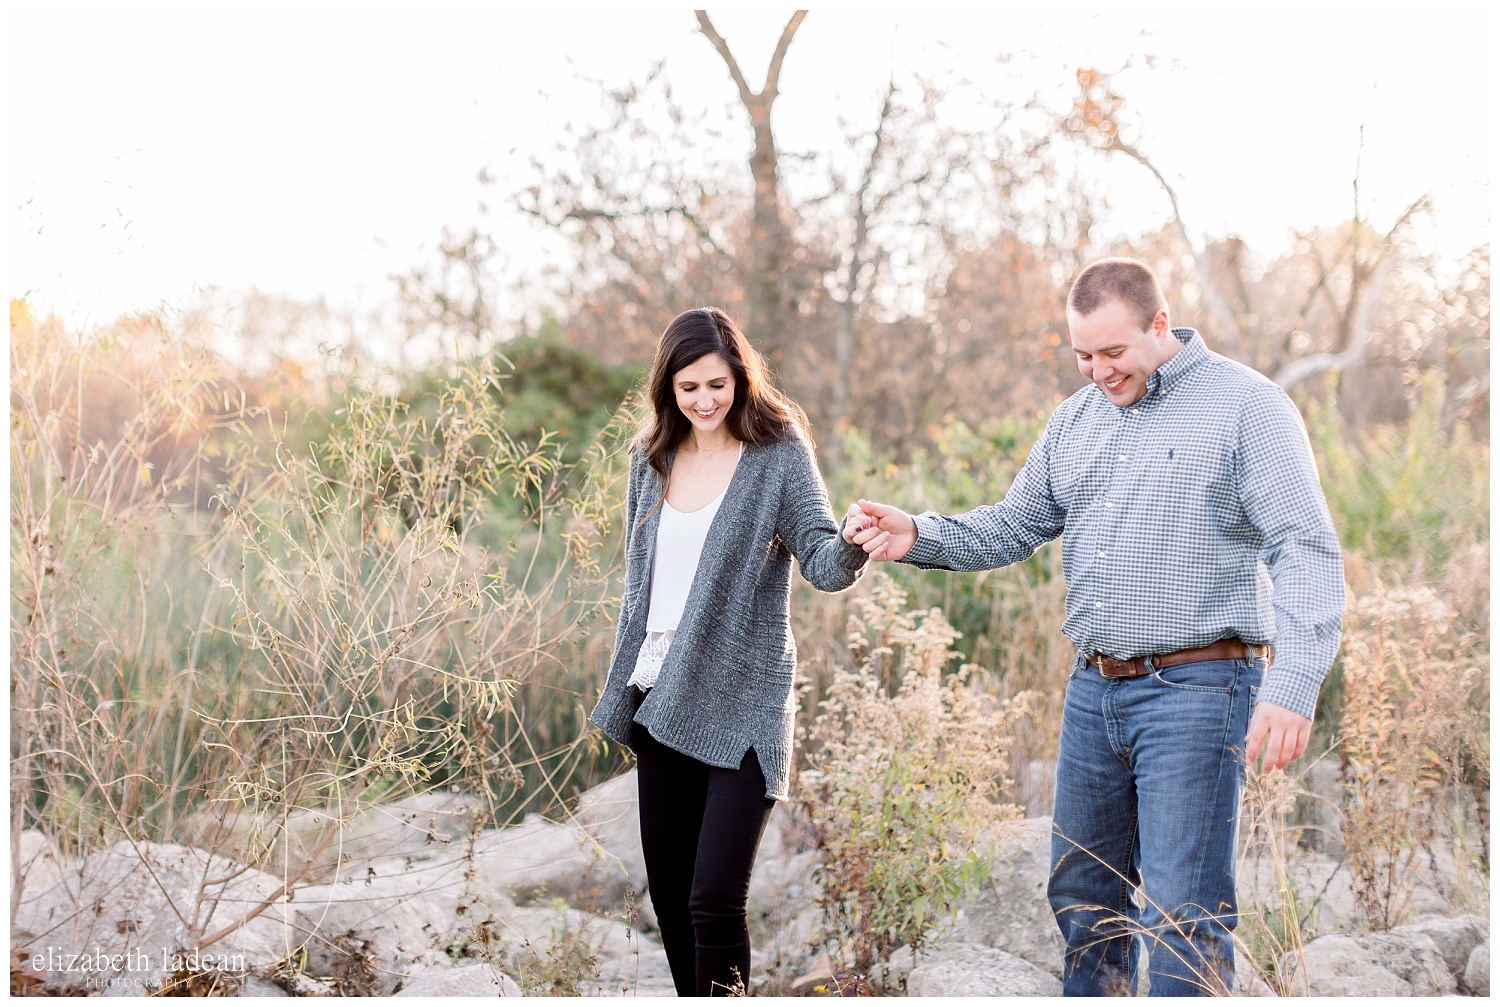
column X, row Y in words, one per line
column 1411, row 726
column 1009, row 620
column 343, row 623
column 906, row 798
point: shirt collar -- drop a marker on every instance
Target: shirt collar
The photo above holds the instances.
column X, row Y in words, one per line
column 1193, row 353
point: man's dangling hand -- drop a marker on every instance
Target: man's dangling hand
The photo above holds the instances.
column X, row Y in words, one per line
column 1282, row 733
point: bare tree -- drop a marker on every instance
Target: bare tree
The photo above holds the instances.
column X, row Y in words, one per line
column 857, row 261
column 1095, row 117
column 1368, row 267
column 1323, row 307
column 766, row 304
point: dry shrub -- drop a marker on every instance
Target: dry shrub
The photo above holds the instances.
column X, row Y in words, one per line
column 1010, row 618
column 907, row 794
column 1412, row 733
column 1276, row 918
column 566, row 967
column 400, row 607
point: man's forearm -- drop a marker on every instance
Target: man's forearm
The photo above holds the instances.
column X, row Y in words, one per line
column 981, row 539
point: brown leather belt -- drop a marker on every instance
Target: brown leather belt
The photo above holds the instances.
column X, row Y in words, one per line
column 1232, row 649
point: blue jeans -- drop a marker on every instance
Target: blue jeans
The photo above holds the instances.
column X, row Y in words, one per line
column 1148, row 780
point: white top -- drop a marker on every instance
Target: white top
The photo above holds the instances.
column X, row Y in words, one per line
column 679, row 544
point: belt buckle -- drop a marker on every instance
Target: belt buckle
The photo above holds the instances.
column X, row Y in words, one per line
column 1111, row 667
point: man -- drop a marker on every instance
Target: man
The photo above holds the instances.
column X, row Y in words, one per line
column 1195, row 535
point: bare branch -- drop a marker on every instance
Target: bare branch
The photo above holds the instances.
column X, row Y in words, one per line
column 767, row 93
column 1206, row 282
column 1359, row 328
column 1359, row 342
column 746, row 95
column 773, row 72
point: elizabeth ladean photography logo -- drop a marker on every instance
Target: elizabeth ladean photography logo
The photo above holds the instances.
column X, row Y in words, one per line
column 100, row 968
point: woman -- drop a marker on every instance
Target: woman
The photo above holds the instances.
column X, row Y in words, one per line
column 724, row 492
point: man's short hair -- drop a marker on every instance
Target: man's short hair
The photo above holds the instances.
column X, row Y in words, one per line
column 1131, row 283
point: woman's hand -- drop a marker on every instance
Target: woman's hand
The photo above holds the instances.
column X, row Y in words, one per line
column 854, row 522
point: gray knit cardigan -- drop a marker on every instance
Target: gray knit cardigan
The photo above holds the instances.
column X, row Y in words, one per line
column 726, row 684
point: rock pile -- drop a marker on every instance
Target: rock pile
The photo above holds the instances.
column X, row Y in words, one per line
column 417, row 901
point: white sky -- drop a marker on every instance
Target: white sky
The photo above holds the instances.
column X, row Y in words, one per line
column 316, row 153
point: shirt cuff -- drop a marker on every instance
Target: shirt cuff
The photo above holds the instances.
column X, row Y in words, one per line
column 927, row 550
column 1290, row 690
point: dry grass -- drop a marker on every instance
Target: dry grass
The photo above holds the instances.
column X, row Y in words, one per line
column 906, row 797
column 224, row 629
column 1411, row 730
column 220, row 635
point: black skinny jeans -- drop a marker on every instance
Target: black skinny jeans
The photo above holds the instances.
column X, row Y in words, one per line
column 700, row 826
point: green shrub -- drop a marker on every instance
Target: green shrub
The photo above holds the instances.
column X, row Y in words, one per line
column 906, row 793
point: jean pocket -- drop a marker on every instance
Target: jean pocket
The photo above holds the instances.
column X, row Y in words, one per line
column 1200, row 676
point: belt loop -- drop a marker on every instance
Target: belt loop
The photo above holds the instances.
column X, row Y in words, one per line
column 1149, row 663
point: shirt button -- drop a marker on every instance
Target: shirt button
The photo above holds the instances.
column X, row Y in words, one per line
column 1122, row 458
column 1109, row 503
column 1101, row 553
column 1098, row 604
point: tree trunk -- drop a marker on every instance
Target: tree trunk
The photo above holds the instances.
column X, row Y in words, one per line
column 767, row 314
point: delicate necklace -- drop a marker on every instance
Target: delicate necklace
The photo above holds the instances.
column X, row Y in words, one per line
column 712, row 452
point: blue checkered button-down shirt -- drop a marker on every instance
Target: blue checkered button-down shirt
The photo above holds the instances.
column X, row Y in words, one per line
column 1191, row 516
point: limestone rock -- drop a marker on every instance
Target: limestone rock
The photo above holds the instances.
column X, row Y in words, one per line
column 41, row 867
column 782, row 912
column 608, row 817
column 1247, row 979
column 633, row 966
column 782, row 877
column 959, row 970
column 1456, row 937
column 782, row 952
column 260, row 986
column 1259, row 879
column 1010, row 911
column 481, row 980
column 598, row 956
column 128, row 903
column 1477, row 971
column 332, row 839
column 412, row 826
column 389, row 915
column 534, row 861
column 1369, row 965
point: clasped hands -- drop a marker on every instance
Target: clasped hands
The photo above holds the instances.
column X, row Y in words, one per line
column 887, row 533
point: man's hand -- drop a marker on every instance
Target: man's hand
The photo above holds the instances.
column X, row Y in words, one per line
column 885, row 532
column 1281, row 732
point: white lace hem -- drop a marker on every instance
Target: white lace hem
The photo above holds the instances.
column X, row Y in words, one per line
column 649, row 661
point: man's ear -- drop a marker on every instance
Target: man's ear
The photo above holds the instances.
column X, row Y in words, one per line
column 1161, row 323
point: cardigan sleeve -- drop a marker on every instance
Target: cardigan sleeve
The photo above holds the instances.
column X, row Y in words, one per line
column 635, row 477
column 808, row 526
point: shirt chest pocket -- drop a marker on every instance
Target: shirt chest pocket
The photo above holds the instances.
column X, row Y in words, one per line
column 1197, row 467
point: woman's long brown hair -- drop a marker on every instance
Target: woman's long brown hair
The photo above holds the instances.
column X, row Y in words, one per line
column 760, row 413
